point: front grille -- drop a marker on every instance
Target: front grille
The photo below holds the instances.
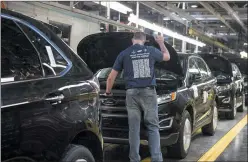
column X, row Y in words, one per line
column 115, row 134
column 113, row 122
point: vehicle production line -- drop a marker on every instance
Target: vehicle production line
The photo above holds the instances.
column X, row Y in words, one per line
column 84, row 122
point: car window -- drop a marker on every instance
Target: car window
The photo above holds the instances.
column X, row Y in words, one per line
column 53, row 63
column 203, row 68
column 19, row 60
column 193, row 68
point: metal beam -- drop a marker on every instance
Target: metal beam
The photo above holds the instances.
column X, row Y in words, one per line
column 212, row 17
column 137, row 14
column 163, row 12
column 212, row 10
column 208, row 40
column 217, row 10
column 78, row 13
column 183, row 14
column 233, row 14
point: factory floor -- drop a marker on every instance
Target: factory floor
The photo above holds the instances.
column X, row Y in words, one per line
column 228, row 144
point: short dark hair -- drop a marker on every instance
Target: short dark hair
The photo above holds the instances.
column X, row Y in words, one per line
column 139, row 36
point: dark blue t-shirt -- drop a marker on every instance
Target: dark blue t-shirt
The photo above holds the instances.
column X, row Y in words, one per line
column 138, row 61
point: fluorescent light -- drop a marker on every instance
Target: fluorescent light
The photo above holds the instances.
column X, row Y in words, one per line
column 166, row 18
column 152, row 26
column 243, row 54
column 193, row 6
column 116, row 6
column 184, row 18
column 222, row 26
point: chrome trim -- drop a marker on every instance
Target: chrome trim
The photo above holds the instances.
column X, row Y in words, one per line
column 169, row 126
column 16, row 104
column 226, row 100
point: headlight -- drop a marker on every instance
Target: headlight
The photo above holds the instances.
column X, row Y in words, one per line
column 223, row 88
column 166, row 98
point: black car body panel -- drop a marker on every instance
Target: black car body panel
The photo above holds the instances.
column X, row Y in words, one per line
column 243, row 67
column 41, row 115
column 100, row 51
column 229, row 89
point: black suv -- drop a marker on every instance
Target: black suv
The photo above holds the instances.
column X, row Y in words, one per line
column 243, row 67
column 186, row 98
column 230, row 91
column 50, row 99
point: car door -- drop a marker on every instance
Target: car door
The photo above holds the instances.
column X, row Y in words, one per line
column 194, row 81
column 20, row 67
column 238, row 81
column 208, row 84
column 36, row 114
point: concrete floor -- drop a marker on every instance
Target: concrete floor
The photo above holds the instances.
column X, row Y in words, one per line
column 236, row 151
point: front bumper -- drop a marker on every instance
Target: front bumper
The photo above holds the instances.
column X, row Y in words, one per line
column 164, row 140
column 116, row 130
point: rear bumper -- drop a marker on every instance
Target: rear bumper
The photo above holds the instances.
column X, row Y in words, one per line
column 164, row 140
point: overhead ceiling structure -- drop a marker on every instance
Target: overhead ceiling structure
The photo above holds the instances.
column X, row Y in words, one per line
column 213, row 25
column 233, row 14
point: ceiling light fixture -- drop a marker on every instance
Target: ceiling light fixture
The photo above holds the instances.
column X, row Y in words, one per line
column 222, row 26
column 184, row 18
column 243, row 54
column 245, row 44
column 133, row 18
column 193, row 6
column 116, row 6
column 166, row 18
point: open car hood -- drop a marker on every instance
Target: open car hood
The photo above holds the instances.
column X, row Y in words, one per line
column 241, row 63
column 100, row 50
column 217, row 63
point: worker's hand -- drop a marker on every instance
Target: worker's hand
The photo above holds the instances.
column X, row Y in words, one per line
column 159, row 39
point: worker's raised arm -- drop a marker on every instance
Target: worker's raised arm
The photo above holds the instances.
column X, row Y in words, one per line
column 165, row 52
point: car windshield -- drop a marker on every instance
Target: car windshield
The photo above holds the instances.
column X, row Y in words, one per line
column 160, row 74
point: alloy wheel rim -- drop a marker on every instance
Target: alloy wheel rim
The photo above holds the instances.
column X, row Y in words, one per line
column 186, row 135
column 215, row 118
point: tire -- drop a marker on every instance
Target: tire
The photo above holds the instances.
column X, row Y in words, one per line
column 77, row 153
column 178, row 150
column 231, row 115
column 242, row 107
column 210, row 128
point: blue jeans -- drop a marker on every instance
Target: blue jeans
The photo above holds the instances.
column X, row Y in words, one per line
column 145, row 99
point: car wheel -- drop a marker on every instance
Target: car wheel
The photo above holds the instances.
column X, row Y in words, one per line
column 211, row 127
column 231, row 115
column 242, row 107
column 181, row 148
column 77, row 153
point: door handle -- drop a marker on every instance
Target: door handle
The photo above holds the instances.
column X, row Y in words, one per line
column 55, row 99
